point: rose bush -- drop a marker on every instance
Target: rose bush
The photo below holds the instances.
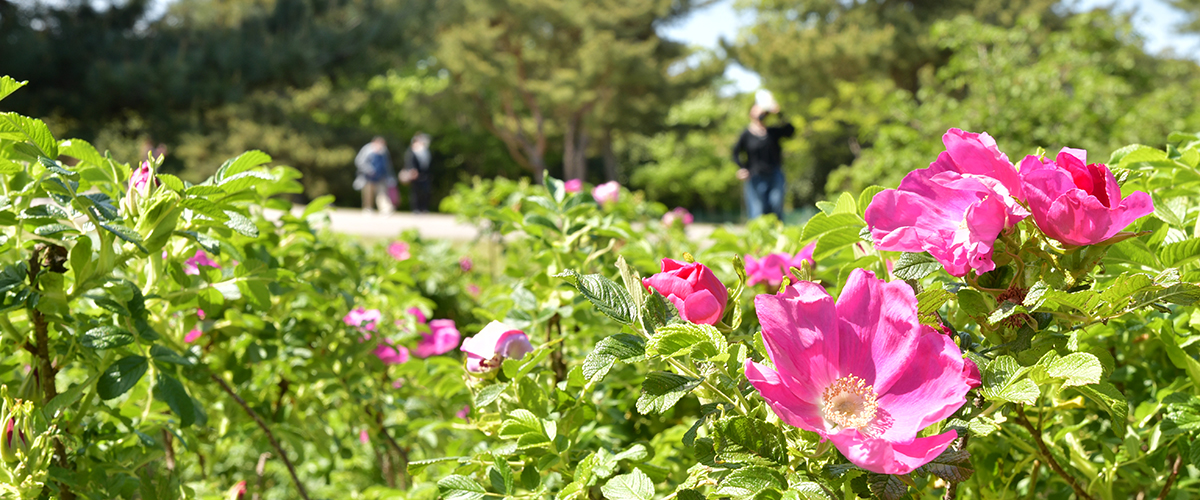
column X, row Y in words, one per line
column 180, row 340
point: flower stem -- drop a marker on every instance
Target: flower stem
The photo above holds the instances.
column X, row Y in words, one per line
column 270, row 436
column 1045, row 452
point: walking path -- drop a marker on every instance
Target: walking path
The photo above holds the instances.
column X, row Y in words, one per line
column 432, row 226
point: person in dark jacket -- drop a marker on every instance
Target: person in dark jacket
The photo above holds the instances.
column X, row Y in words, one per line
column 418, row 169
column 760, row 161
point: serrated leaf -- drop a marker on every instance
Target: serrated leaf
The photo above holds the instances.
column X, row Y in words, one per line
column 8, row 85
column 1003, row 380
column 633, row 486
column 244, row 162
column 887, row 486
column 1180, row 253
column 43, row 212
column 106, row 337
column 417, row 466
column 821, row 223
column 620, row 347
column 126, row 234
column 243, row 181
column 1111, row 400
column 205, row 208
column 748, row 482
column 661, row 390
column 163, row 354
column 489, row 394
column 867, row 196
column 680, row 339
column 457, row 487
column 915, row 266
column 519, row 422
column 242, row 224
column 609, row 297
column 53, row 229
column 748, row 440
column 501, row 476
column 121, row 376
column 29, row 130
column 1079, row 368
column 168, row 390
column 1182, row 415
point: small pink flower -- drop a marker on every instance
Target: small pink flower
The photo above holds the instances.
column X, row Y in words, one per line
column 193, row 335
column 492, row 345
column 573, row 185
column 678, row 214
column 417, row 312
column 443, row 337
column 143, row 179
column 473, row 289
column 364, row 437
column 192, row 264
column 955, row 209
column 396, row 384
column 696, row 292
column 237, row 492
column 363, row 319
column 391, row 354
column 862, row 372
column 399, row 250
column 465, row 264
column 1076, row 203
column 464, row 412
column 772, row 268
column 607, row 193
column 200, row 313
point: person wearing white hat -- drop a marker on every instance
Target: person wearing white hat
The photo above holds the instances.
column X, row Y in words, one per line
column 760, row 158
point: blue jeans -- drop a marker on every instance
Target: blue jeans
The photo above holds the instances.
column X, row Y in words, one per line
column 764, row 194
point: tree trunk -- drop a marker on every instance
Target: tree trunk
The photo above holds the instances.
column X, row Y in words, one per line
column 610, row 157
column 575, row 143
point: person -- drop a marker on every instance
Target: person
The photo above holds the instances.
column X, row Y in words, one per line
column 375, row 177
column 418, row 163
column 761, row 170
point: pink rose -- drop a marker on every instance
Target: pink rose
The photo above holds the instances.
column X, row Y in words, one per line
column 772, row 268
column 391, row 354
column 955, row 209
column 607, row 193
column 399, row 250
column 363, row 319
column 573, row 185
column 442, row 338
column 696, row 292
column 678, row 214
column 1076, row 203
column 417, row 312
column 192, row 264
column 862, row 372
column 364, row 437
column 193, row 335
column 465, row 264
column 143, row 179
column 497, row 341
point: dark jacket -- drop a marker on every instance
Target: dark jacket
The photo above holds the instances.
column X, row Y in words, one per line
column 763, row 154
column 424, row 172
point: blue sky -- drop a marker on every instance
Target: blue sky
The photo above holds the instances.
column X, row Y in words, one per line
column 1152, row 18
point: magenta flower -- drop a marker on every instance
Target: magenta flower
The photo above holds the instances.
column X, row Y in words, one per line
column 696, row 292
column 391, row 354
column 772, row 268
column 193, row 335
column 473, row 289
column 955, row 209
column 678, row 214
column 417, row 312
column 200, row 313
column 863, row 372
column 363, row 319
column 607, row 193
column 497, row 341
column 143, row 179
column 364, row 437
column 573, row 185
column 1076, row 203
column 465, row 264
column 237, row 492
column 399, row 250
column 442, row 338
column 193, row 263
column 464, row 412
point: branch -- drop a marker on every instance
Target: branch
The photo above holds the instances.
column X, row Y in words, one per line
column 1037, row 438
column 270, row 437
column 1162, row 495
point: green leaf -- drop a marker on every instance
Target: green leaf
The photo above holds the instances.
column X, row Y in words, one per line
column 633, row 486
column 914, row 266
column 204, row 207
column 8, row 86
column 168, row 390
column 1111, row 400
column 66, row 398
column 30, row 130
column 748, row 440
column 1079, row 368
column 489, row 394
column 1003, row 380
column 121, row 376
column 316, row 205
column 530, row 478
column 501, row 476
column 242, row 224
column 947, row 466
column 680, row 339
column 417, row 466
column 163, row 354
column 1179, row 357
column 81, row 150
column 126, row 234
column 609, row 297
column 456, row 487
column 661, row 390
column 748, row 482
column 243, row 181
column 43, row 213
column 1180, row 253
column 822, row 223
column 887, row 486
column 867, row 196
column 520, row 422
column 106, row 337
column 1182, row 415
column 620, row 347
column 242, row 163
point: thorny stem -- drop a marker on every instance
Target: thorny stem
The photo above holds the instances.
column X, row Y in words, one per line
column 402, row 470
column 46, row 372
column 1162, row 495
column 1045, row 452
column 267, row 430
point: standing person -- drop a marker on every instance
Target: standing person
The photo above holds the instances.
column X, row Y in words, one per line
column 762, row 168
column 375, row 176
column 418, row 163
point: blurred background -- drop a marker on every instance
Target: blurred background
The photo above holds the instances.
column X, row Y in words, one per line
column 650, row 93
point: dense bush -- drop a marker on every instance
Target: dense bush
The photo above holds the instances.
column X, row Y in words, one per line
column 163, row 339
